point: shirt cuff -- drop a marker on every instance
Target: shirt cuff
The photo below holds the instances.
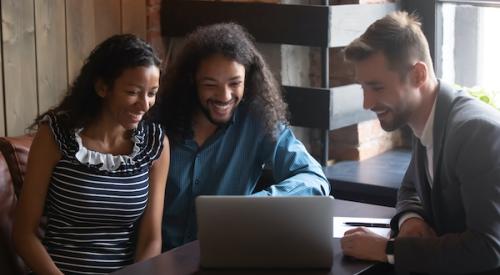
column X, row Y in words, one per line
column 407, row 216
column 390, row 259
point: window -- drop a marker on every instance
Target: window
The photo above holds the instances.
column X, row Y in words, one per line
column 468, row 44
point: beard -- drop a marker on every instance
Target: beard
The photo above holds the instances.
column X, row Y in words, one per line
column 208, row 115
column 397, row 119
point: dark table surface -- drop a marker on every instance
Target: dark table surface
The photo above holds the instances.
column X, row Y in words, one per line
column 186, row 259
column 375, row 180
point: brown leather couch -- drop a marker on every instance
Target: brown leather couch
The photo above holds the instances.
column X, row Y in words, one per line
column 13, row 158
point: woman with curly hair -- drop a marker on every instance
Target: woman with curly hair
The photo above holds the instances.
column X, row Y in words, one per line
column 226, row 119
column 96, row 169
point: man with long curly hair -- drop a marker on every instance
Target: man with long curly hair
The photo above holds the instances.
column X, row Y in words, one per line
column 225, row 116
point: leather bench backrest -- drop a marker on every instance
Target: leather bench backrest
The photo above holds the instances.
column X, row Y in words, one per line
column 12, row 169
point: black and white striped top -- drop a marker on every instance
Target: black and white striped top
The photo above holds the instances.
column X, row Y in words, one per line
column 93, row 213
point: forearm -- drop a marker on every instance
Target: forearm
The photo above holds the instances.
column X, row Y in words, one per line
column 408, row 200
column 301, row 184
column 148, row 249
column 466, row 252
column 294, row 169
column 34, row 254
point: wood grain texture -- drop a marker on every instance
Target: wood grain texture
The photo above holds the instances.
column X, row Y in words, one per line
column 80, row 28
column 107, row 19
column 134, row 17
column 52, row 80
column 19, row 65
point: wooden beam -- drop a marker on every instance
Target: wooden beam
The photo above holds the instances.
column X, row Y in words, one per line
column 347, row 107
column 269, row 23
column 309, row 107
column 306, row 25
column 327, row 109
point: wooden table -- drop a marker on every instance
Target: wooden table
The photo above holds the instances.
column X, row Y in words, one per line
column 186, row 259
column 375, row 180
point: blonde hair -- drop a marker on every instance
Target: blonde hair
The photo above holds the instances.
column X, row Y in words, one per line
column 398, row 36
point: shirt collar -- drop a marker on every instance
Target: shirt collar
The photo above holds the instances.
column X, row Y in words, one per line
column 428, row 132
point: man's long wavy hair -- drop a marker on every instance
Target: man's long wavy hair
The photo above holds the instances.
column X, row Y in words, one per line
column 178, row 99
column 106, row 63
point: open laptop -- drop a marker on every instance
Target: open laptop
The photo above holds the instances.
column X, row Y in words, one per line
column 265, row 232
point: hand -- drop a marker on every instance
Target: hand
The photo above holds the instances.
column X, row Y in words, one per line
column 362, row 243
column 416, row 227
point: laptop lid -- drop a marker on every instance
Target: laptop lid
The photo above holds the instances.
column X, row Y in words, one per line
column 265, row 232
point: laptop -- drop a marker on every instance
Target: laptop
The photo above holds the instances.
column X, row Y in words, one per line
column 265, row 232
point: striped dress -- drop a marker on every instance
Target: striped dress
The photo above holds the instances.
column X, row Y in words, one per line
column 95, row 201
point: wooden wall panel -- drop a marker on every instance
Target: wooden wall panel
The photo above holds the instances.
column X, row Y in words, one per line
column 134, row 17
column 44, row 44
column 19, row 64
column 107, row 19
column 51, row 56
column 80, row 29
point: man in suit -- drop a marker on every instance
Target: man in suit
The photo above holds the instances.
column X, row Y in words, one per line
column 448, row 209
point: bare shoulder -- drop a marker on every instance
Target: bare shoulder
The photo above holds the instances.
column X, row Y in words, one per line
column 44, row 145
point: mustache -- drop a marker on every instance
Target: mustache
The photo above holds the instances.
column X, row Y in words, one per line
column 378, row 109
column 233, row 99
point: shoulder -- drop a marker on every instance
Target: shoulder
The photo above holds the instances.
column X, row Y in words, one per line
column 150, row 130
column 150, row 138
column 44, row 144
column 64, row 137
column 471, row 116
column 472, row 132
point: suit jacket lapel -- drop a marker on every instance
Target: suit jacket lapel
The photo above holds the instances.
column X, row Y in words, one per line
column 421, row 159
column 445, row 100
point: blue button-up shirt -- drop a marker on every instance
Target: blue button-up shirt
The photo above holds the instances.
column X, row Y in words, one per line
column 230, row 162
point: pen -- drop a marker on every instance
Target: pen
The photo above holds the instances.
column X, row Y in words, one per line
column 368, row 224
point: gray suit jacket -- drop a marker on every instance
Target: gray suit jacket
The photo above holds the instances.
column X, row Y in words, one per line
column 463, row 206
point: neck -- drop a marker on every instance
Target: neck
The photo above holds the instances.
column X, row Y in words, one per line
column 106, row 133
column 428, row 92
column 202, row 128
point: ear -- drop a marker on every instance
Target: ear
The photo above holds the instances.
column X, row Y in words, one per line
column 419, row 73
column 100, row 88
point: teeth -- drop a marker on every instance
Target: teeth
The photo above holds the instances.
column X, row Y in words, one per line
column 136, row 116
column 222, row 106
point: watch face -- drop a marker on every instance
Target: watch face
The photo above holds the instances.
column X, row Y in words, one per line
column 389, row 249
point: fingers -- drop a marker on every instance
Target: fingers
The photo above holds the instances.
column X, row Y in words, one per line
column 346, row 243
column 356, row 230
column 351, row 237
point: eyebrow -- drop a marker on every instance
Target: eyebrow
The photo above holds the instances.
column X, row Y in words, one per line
column 140, row 86
column 373, row 83
column 133, row 84
column 213, row 79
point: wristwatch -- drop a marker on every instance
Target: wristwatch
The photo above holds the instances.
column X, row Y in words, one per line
column 389, row 251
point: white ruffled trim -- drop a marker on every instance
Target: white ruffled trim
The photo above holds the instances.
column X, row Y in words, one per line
column 109, row 162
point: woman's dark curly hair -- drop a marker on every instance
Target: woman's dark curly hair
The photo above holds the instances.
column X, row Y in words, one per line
column 106, row 63
column 177, row 99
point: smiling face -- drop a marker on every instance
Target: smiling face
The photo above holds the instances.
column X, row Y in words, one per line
column 386, row 93
column 131, row 96
column 220, row 84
